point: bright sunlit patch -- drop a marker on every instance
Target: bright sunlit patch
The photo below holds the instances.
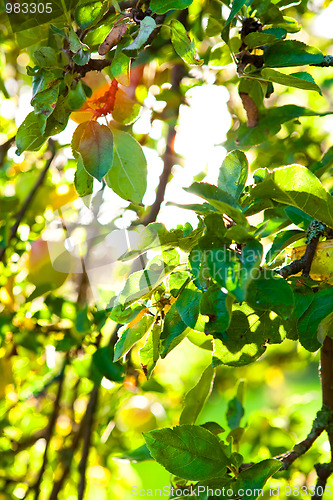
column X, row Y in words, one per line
column 50, row 352
column 107, row 384
column 322, row 24
column 19, row 492
column 24, row 231
column 40, row 445
column 98, row 473
column 63, row 425
column 203, row 125
column 8, row 109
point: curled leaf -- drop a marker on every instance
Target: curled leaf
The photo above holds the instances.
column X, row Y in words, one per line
column 112, row 38
column 251, row 109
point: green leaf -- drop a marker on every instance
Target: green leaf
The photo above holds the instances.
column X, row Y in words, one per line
column 80, row 50
column 44, row 101
column 269, row 292
column 299, row 80
column 128, row 174
column 76, row 96
column 94, row 142
column 213, row 427
column 138, row 455
column 320, row 308
column 120, row 68
column 147, row 26
column 162, row 6
column 257, row 39
column 219, row 56
column 143, row 282
column 174, row 331
column 132, row 335
column 152, row 237
column 150, row 353
column 298, row 217
column 29, row 135
column 235, row 8
column 218, row 307
column 229, row 356
column 235, row 413
column 277, row 32
column 233, row 173
column 82, row 56
column 235, row 272
column 83, row 181
column 281, row 241
column 188, row 304
column 182, row 43
column 270, row 124
column 320, row 167
column 289, row 24
column 244, row 340
column 239, row 234
column 116, row 5
column 291, row 53
column 220, row 199
column 122, row 315
column 86, row 15
column 297, row 186
column 102, row 363
column 253, row 479
column 58, row 120
column 188, row 451
column 196, row 398
column 46, row 57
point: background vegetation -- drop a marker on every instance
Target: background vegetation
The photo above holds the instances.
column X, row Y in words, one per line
column 75, row 400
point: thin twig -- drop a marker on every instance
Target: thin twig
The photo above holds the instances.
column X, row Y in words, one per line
column 69, row 458
column 328, row 61
column 29, row 199
column 91, row 407
column 50, row 428
column 4, row 149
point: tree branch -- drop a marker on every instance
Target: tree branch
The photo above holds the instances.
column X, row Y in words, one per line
column 29, row 199
column 326, row 375
column 302, row 264
column 323, row 471
column 92, row 65
column 320, row 423
column 178, row 72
